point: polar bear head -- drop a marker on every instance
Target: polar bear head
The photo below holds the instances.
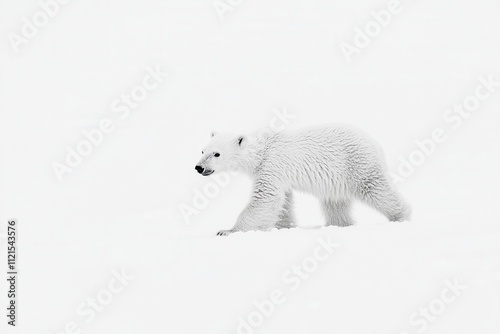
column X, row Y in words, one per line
column 222, row 153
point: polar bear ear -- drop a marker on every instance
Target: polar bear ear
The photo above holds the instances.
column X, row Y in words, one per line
column 240, row 140
column 213, row 134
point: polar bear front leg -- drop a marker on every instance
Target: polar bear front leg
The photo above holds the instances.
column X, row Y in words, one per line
column 224, row 232
column 262, row 213
column 287, row 217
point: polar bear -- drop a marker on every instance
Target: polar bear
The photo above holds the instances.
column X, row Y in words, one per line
column 337, row 164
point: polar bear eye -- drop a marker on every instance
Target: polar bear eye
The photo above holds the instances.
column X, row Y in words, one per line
column 201, row 152
column 216, row 155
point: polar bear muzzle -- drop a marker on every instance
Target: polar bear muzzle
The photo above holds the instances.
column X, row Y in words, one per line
column 203, row 171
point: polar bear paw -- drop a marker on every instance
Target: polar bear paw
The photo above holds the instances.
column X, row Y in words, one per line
column 225, row 232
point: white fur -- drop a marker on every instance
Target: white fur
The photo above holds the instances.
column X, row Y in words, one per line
column 337, row 164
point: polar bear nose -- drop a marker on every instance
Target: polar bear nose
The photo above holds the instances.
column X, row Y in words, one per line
column 199, row 169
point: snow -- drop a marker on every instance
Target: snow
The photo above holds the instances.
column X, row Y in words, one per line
column 374, row 280
column 119, row 209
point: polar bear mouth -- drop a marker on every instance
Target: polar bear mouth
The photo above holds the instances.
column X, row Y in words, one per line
column 207, row 172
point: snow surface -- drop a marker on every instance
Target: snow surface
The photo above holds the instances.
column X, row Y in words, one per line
column 120, row 209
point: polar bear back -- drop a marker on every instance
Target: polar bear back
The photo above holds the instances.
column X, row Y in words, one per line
column 331, row 161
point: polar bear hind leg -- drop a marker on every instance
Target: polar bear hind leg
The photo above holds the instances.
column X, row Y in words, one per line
column 337, row 212
column 382, row 196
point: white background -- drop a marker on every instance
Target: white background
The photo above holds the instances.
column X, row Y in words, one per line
column 120, row 208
